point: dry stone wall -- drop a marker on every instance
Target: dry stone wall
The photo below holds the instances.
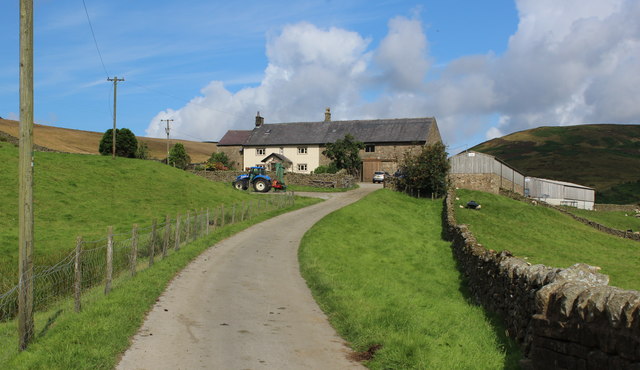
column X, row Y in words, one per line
column 563, row 318
column 605, row 229
column 327, row 180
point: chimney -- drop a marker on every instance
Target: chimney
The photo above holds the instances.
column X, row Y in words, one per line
column 327, row 115
column 259, row 120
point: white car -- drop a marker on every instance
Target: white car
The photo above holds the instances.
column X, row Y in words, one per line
column 378, row 176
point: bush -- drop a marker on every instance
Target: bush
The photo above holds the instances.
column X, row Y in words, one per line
column 126, row 143
column 426, row 172
column 331, row 168
column 218, row 161
column 143, row 150
column 178, row 157
column 345, row 154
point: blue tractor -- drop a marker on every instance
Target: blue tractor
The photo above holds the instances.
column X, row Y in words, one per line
column 256, row 177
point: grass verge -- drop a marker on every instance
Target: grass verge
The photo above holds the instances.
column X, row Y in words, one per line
column 546, row 236
column 95, row 337
column 381, row 272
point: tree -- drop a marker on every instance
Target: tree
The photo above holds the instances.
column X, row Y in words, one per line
column 218, row 161
column 426, row 172
column 126, row 143
column 178, row 156
column 345, row 153
column 143, row 150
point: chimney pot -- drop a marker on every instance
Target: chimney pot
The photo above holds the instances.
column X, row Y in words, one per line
column 259, row 120
column 327, row 115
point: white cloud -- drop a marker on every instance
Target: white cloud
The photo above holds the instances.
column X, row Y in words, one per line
column 569, row 62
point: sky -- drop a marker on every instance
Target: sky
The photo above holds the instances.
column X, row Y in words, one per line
column 483, row 69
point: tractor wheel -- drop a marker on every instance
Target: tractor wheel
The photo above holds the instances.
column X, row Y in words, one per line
column 261, row 185
column 240, row 185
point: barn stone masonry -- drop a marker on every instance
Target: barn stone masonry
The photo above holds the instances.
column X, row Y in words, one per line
column 487, row 182
column 563, row 318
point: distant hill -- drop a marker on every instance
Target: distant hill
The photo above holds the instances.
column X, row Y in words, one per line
column 604, row 156
column 86, row 142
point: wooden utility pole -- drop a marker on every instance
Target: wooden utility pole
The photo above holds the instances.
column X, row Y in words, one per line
column 113, row 138
column 25, row 174
column 167, row 130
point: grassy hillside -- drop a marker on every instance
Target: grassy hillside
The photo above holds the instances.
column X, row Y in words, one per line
column 86, row 142
column 606, row 157
column 83, row 194
column 387, row 281
column 543, row 235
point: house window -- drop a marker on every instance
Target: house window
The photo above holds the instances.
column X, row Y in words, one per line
column 370, row 148
column 261, row 151
column 302, row 167
column 302, row 150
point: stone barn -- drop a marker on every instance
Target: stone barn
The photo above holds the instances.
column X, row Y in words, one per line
column 479, row 171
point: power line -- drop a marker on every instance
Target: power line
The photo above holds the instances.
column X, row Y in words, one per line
column 95, row 41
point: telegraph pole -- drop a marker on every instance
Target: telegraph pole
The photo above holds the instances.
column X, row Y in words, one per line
column 113, row 138
column 25, row 174
column 167, row 131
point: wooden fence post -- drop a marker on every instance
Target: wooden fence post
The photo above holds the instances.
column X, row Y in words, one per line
column 165, row 242
column 188, row 226
column 222, row 217
column 207, row 222
column 233, row 214
column 152, row 242
column 107, row 286
column 177, row 241
column 77, row 266
column 134, row 250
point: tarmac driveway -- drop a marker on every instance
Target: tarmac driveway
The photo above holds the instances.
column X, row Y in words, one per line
column 243, row 305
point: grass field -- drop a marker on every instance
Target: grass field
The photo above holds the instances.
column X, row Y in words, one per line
column 384, row 276
column 84, row 194
column 617, row 220
column 543, row 235
column 95, row 337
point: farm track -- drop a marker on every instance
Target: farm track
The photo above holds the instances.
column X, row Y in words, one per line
column 243, row 305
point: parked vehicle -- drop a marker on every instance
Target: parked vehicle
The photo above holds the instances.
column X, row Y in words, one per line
column 378, row 176
column 256, row 177
column 260, row 181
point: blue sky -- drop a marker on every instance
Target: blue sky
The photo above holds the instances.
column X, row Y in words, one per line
column 483, row 69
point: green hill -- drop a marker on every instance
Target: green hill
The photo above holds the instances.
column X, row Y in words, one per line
column 605, row 156
column 78, row 194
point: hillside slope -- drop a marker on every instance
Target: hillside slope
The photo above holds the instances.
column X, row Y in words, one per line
column 84, row 194
column 86, row 142
column 604, row 156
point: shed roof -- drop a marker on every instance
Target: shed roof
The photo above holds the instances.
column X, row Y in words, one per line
column 235, row 137
column 281, row 157
column 558, row 182
column 403, row 130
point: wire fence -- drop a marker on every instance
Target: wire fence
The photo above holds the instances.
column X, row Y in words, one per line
column 97, row 262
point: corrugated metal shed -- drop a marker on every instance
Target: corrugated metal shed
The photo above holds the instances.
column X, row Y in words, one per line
column 560, row 192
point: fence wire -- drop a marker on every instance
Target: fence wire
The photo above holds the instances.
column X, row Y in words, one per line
column 150, row 243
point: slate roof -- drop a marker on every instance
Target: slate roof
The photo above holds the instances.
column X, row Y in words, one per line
column 403, row 130
column 235, row 137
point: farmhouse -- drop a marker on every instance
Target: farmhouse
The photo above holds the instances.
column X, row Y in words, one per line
column 300, row 144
